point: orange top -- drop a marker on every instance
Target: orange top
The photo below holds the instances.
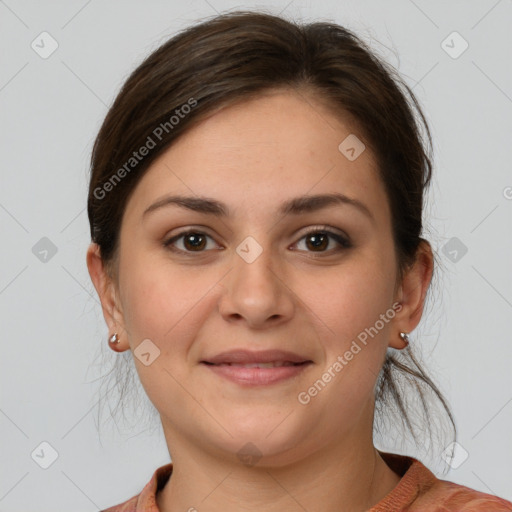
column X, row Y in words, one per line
column 419, row 490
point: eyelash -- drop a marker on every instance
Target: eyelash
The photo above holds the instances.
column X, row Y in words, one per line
column 343, row 242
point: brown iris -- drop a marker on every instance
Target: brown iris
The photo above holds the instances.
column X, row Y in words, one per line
column 194, row 241
column 319, row 240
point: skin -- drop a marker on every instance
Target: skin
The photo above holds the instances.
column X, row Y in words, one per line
column 253, row 156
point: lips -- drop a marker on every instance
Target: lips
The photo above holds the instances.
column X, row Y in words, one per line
column 260, row 359
column 254, row 369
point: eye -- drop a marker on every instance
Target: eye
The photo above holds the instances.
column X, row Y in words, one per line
column 319, row 239
column 193, row 241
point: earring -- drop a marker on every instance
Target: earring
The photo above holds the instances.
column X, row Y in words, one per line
column 114, row 338
column 405, row 337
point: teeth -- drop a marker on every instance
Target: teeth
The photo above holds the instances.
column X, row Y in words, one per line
column 273, row 364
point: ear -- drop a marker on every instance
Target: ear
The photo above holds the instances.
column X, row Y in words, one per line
column 412, row 293
column 107, row 292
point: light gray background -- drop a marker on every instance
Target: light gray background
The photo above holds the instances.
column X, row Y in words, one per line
column 51, row 321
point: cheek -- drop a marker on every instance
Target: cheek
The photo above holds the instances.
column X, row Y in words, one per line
column 160, row 302
column 353, row 334
column 350, row 299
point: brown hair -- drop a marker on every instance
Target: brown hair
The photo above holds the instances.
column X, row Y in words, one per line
column 239, row 55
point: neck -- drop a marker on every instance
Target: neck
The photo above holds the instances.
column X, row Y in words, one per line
column 347, row 477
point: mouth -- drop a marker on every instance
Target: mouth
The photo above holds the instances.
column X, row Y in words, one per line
column 249, row 368
column 270, row 364
column 263, row 357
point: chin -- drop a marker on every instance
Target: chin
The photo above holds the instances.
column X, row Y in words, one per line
column 263, row 442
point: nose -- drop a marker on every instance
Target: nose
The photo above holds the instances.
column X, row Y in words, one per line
column 256, row 293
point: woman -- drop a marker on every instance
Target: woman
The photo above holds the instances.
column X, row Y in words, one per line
column 256, row 207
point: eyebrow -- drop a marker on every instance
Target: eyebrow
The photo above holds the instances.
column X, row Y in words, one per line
column 295, row 206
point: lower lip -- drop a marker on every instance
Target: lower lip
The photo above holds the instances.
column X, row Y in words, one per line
column 257, row 376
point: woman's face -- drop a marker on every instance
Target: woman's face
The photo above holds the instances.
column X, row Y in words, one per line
column 253, row 276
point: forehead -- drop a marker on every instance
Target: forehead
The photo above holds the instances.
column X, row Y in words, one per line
column 260, row 152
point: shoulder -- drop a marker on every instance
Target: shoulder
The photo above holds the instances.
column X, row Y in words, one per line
column 452, row 496
column 419, row 490
column 145, row 501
